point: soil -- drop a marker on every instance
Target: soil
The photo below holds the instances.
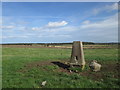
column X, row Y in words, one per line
column 110, row 69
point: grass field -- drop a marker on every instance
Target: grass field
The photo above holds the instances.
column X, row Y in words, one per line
column 28, row 67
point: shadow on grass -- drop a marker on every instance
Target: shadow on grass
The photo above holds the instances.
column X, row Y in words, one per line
column 61, row 65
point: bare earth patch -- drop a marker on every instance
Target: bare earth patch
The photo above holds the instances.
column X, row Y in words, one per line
column 110, row 69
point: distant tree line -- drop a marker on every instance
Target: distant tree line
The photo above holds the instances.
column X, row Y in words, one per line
column 47, row 44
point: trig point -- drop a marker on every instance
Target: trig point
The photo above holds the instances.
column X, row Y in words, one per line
column 77, row 56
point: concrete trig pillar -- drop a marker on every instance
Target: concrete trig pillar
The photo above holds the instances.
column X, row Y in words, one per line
column 77, row 55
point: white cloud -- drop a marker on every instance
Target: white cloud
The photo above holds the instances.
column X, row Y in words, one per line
column 65, row 29
column 51, row 25
column 55, row 35
column 96, row 11
column 21, row 28
column 58, row 29
column 57, row 24
column 13, row 27
column 7, row 27
column 86, row 22
column 112, row 7
column 0, row 20
column 35, row 28
column 14, row 37
column 107, row 8
column 110, row 22
column 101, row 31
column 44, row 28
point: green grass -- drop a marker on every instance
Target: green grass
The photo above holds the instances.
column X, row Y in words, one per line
column 101, row 54
column 14, row 59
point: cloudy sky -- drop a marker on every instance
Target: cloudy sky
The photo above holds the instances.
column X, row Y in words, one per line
column 24, row 22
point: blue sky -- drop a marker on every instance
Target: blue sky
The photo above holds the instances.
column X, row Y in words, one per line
column 25, row 22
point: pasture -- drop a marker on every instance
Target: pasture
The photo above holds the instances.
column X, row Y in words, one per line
column 27, row 67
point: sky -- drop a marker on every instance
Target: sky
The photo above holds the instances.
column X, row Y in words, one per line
column 58, row 22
